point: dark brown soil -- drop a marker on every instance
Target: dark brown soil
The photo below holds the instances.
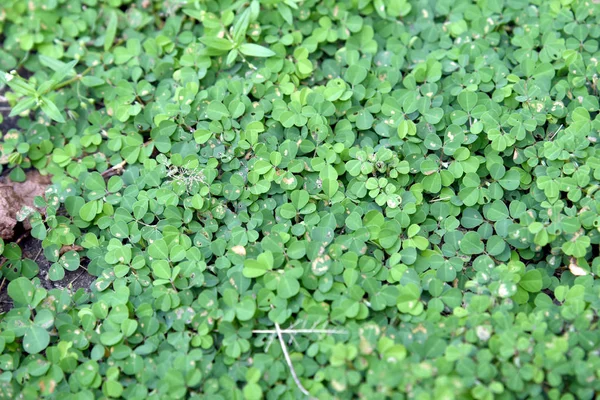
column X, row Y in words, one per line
column 73, row 280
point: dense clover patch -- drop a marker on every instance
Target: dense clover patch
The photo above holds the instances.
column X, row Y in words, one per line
column 358, row 199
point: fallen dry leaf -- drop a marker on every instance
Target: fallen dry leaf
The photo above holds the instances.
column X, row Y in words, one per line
column 9, row 206
column 576, row 269
column 15, row 195
column 35, row 185
column 239, row 250
column 72, row 247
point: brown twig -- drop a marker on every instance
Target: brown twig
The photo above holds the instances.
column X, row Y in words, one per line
column 23, row 236
column 115, row 169
column 77, row 277
column 552, row 136
column 72, row 247
column 38, row 254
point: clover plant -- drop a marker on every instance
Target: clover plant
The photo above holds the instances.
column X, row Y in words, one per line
column 288, row 199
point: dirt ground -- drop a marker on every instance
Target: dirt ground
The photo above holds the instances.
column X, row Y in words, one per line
column 32, row 248
column 73, row 280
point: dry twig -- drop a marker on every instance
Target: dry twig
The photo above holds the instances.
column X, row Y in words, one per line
column 289, row 360
column 291, row 331
column 115, row 169
column 555, row 133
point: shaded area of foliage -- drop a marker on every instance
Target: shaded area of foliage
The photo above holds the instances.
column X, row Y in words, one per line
column 27, row 259
column 420, row 175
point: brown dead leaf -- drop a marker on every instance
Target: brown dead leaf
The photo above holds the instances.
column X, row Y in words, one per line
column 35, row 185
column 72, row 247
column 239, row 250
column 575, row 268
column 9, row 206
column 15, row 195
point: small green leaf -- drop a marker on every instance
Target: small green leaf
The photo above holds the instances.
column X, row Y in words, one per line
column 92, row 81
column 245, row 309
column 255, row 50
column 89, row 211
column 95, row 182
column 50, row 109
column 111, row 338
column 161, row 269
column 21, row 290
column 216, row 111
column 36, row 339
column 531, row 281
column 26, row 104
column 471, row 244
column 467, row 100
column 258, row 267
column 159, row 250
column 217, row 43
column 288, row 287
column 111, row 31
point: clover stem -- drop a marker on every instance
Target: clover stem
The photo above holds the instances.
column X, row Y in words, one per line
column 250, row 65
column 74, row 79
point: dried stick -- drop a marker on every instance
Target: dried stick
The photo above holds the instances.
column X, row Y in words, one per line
column 555, row 133
column 296, row 331
column 115, row 169
column 289, row 360
column 291, row 331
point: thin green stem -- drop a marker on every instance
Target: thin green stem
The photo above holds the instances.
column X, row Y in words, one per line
column 73, row 79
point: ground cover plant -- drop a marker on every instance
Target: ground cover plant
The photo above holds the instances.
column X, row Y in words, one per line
column 288, row 199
